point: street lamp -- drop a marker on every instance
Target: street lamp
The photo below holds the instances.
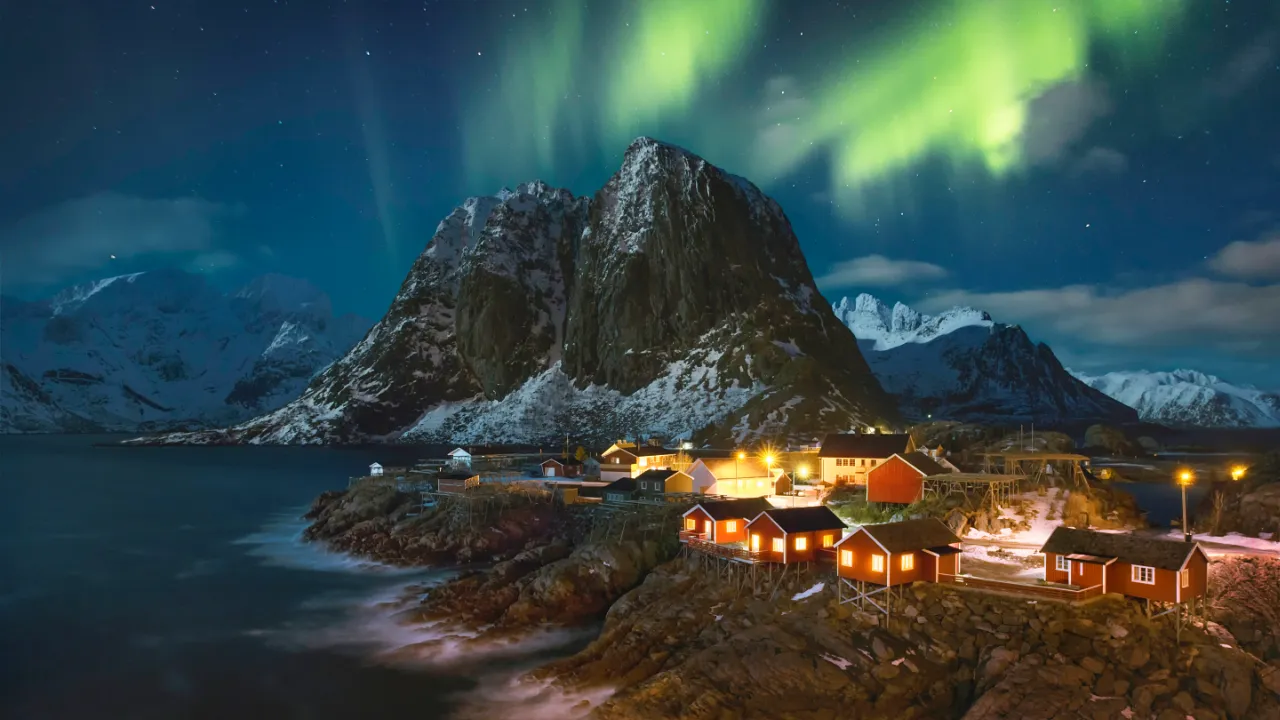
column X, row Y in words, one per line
column 1185, row 478
column 1237, row 472
column 768, row 464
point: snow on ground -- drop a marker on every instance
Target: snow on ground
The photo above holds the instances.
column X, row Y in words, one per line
column 817, row 588
column 1002, row 563
column 1269, row 543
column 1043, row 514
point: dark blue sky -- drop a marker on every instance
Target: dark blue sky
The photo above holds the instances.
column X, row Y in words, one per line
column 1128, row 216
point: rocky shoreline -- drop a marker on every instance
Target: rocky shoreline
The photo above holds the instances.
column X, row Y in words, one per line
column 680, row 640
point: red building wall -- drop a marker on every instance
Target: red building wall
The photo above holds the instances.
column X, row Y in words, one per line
column 700, row 519
column 894, row 481
column 725, row 535
column 767, row 531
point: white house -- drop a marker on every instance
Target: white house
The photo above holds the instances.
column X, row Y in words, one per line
column 847, row 458
column 744, row 478
column 459, row 458
column 375, row 470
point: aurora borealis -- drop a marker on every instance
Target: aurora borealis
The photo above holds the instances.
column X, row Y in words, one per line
column 1102, row 172
column 955, row 81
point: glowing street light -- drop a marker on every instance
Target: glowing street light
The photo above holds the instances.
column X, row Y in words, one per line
column 803, row 470
column 1237, row 472
column 1185, row 478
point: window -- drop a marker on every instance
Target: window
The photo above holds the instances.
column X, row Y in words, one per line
column 909, row 561
column 706, row 526
column 644, row 462
column 1143, row 574
column 846, row 558
column 731, row 526
column 644, row 484
column 873, row 463
column 1184, row 577
column 877, row 563
column 802, row 543
column 828, row 540
column 690, row 524
column 755, row 542
column 864, row 462
column 779, row 545
column 1062, row 563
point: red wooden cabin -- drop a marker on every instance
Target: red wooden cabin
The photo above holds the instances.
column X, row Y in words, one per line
column 561, row 467
column 900, row 479
column 722, row 521
column 1171, row 571
column 790, row 535
column 898, row 553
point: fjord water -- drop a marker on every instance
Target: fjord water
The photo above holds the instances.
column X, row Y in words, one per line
column 169, row 583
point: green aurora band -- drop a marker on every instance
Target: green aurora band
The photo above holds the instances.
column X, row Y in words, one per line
column 955, row 83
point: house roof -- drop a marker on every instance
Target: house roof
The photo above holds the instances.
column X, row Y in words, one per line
column 562, row 460
column 738, row 508
column 908, row 535
column 625, row 484
column 657, row 474
column 728, row 469
column 650, row 450
column 923, row 463
column 854, row 445
column 804, row 519
column 1126, row 547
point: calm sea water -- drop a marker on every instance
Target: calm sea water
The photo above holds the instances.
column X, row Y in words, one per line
column 169, row 583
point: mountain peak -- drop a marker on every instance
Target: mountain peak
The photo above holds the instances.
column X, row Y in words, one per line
column 1189, row 397
column 871, row 319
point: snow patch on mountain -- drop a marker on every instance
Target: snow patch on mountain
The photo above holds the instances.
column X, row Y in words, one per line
column 887, row 328
column 161, row 350
column 1189, row 398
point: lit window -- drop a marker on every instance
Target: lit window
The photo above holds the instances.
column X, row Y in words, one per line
column 1185, row 578
column 1143, row 574
column 1062, row 563
column 690, row 524
column 877, row 563
column 802, row 543
column 908, row 561
column 731, row 526
column 779, row 545
column 828, row 540
column 644, row 462
column 846, row 558
column 706, row 527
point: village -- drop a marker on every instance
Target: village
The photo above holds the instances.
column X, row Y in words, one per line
column 752, row 517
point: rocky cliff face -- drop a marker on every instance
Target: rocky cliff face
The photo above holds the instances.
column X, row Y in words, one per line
column 961, row 365
column 163, row 350
column 675, row 301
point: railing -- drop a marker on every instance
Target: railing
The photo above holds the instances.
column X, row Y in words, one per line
column 1066, row 593
column 687, row 535
column 730, row 552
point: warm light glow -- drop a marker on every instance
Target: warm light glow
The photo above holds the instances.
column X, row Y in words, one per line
column 768, row 460
column 1186, row 478
column 846, row 558
column 1238, row 471
column 741, row 455
column 803, row 471
column 828, row 541
column 690, row 524
column 779, row 545
column 802, row 543
column 908, row 562
column 644, row 462
column 877, row 563
column 731, row 526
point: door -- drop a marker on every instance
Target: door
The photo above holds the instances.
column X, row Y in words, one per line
column 551, row 471
column 755, row 542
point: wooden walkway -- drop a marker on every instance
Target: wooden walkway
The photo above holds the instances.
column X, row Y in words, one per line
column 1062, row 593
column 724, row 552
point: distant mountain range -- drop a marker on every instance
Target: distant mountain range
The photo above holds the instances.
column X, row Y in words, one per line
column 163, row 350
column 962, row 365
column 1189, row 398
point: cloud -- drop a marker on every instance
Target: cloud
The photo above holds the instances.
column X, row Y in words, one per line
column 1206, row 313
column 879, row 271
column 213, row 262
column 80, row 235
column 1102, row 160
column 1059, row 117
column 1249, row 260
column 1247, row 65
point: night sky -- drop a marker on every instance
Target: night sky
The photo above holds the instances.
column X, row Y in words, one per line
column 1104, row 172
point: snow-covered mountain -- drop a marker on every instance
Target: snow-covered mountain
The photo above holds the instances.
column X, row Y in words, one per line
column 961, row 365
column 1189, row 398
column 163, row 350
column 675, row 301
